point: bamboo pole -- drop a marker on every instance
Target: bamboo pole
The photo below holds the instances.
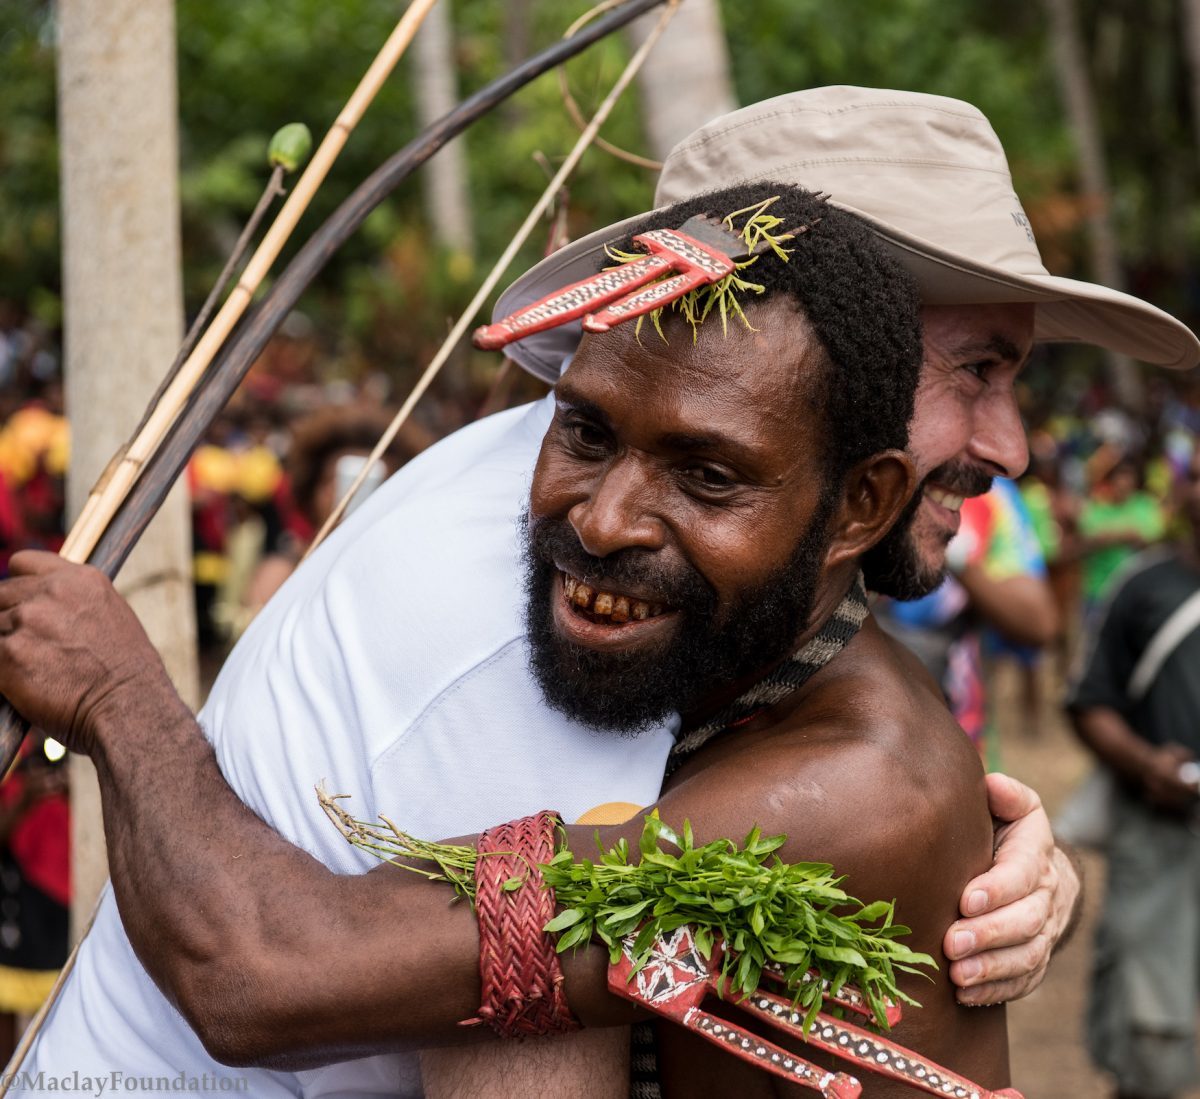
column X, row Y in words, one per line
column 117, row 553
column 489, row 284
column 247, row 343
column 111, row 489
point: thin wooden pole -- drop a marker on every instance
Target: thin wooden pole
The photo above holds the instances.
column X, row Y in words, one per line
column 114, row 555
column 219, row 383
column 501, row 265
column 113, row 486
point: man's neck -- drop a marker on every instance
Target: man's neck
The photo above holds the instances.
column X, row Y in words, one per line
column 830, row 592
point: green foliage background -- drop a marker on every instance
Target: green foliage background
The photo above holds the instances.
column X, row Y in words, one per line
column 248, row 66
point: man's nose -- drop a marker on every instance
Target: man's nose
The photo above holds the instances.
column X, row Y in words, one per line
column 999, row 436
column 618, row 513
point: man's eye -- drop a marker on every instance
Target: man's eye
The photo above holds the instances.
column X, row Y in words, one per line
column 586, row 436
column 712, row 478
column 981, row 370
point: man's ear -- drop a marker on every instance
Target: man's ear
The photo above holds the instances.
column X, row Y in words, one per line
column 875, row 493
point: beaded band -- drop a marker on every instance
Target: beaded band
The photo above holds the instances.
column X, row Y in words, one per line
column 522, row 979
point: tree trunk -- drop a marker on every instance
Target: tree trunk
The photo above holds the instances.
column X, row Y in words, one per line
column 123, row 310
column 685, row 81
column 1076, row 89
column 1191, row 30
column 444, row 178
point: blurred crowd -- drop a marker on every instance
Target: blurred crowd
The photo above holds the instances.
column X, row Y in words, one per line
column 1035, row 559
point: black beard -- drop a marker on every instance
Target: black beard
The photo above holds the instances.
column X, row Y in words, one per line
column 896, row 565
column 632, row 692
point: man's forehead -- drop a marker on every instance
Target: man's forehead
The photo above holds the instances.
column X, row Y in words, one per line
column 769, row 330
column 732, row 393
column 963, row 332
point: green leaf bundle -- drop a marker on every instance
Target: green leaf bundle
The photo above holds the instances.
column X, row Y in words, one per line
column 794, row 916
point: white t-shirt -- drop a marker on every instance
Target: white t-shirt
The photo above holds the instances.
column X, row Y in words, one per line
column 393, row 665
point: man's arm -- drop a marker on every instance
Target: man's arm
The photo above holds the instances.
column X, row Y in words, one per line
column 239, row 927
column 589, row 1064
column 1020, row 608
column 1151, row 768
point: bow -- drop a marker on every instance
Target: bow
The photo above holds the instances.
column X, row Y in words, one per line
column 155, row 475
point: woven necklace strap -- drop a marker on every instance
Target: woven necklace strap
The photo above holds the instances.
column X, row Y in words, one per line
column 833, row 636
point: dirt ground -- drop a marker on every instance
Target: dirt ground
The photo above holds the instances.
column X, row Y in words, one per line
column 1049, row 1060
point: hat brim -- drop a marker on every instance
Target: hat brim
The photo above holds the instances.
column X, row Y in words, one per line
column 1068, row 310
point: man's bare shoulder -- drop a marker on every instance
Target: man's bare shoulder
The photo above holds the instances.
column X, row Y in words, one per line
column 867, row 770
column 869, row 739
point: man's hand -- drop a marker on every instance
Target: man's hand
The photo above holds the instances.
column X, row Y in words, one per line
column 1163, row 785
column 1019, row 910
column 70, row 647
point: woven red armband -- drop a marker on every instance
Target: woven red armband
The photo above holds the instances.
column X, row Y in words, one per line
column 522, row 978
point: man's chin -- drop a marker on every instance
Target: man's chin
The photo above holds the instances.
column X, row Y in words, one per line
column 610, row 691
column 899, row 568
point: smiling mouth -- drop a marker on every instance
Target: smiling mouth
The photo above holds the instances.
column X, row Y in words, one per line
column 606, row 607
column 949, row 500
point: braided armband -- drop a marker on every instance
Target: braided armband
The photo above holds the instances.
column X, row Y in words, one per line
column 522, row 979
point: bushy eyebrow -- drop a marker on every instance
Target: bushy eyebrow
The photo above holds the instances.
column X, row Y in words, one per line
column 682, row 442
column 724, row 445
column 1000, row 346
column 565, row 397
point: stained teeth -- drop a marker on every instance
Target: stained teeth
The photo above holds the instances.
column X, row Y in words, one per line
column 617, row 608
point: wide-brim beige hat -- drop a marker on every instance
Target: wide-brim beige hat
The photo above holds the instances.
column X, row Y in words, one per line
column 930, row 177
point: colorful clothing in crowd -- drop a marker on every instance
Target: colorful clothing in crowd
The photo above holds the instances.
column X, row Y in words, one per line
column 1140, row 514
column 35, row 891
column 999, row 535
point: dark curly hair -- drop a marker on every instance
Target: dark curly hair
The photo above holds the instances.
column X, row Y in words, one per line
column 863, row 306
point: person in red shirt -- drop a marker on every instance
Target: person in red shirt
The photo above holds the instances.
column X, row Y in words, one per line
column 11, row 534
column 35, row 882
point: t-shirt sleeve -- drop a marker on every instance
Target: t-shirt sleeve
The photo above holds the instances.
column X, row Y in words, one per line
column 1109, row 664
column 1013, row 548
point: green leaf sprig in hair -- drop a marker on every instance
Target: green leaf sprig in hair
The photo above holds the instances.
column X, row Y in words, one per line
column 759, row 227
column 795, row 916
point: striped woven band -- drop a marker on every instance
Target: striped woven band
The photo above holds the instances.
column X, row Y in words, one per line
column 833, row 636
column 522, row 979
